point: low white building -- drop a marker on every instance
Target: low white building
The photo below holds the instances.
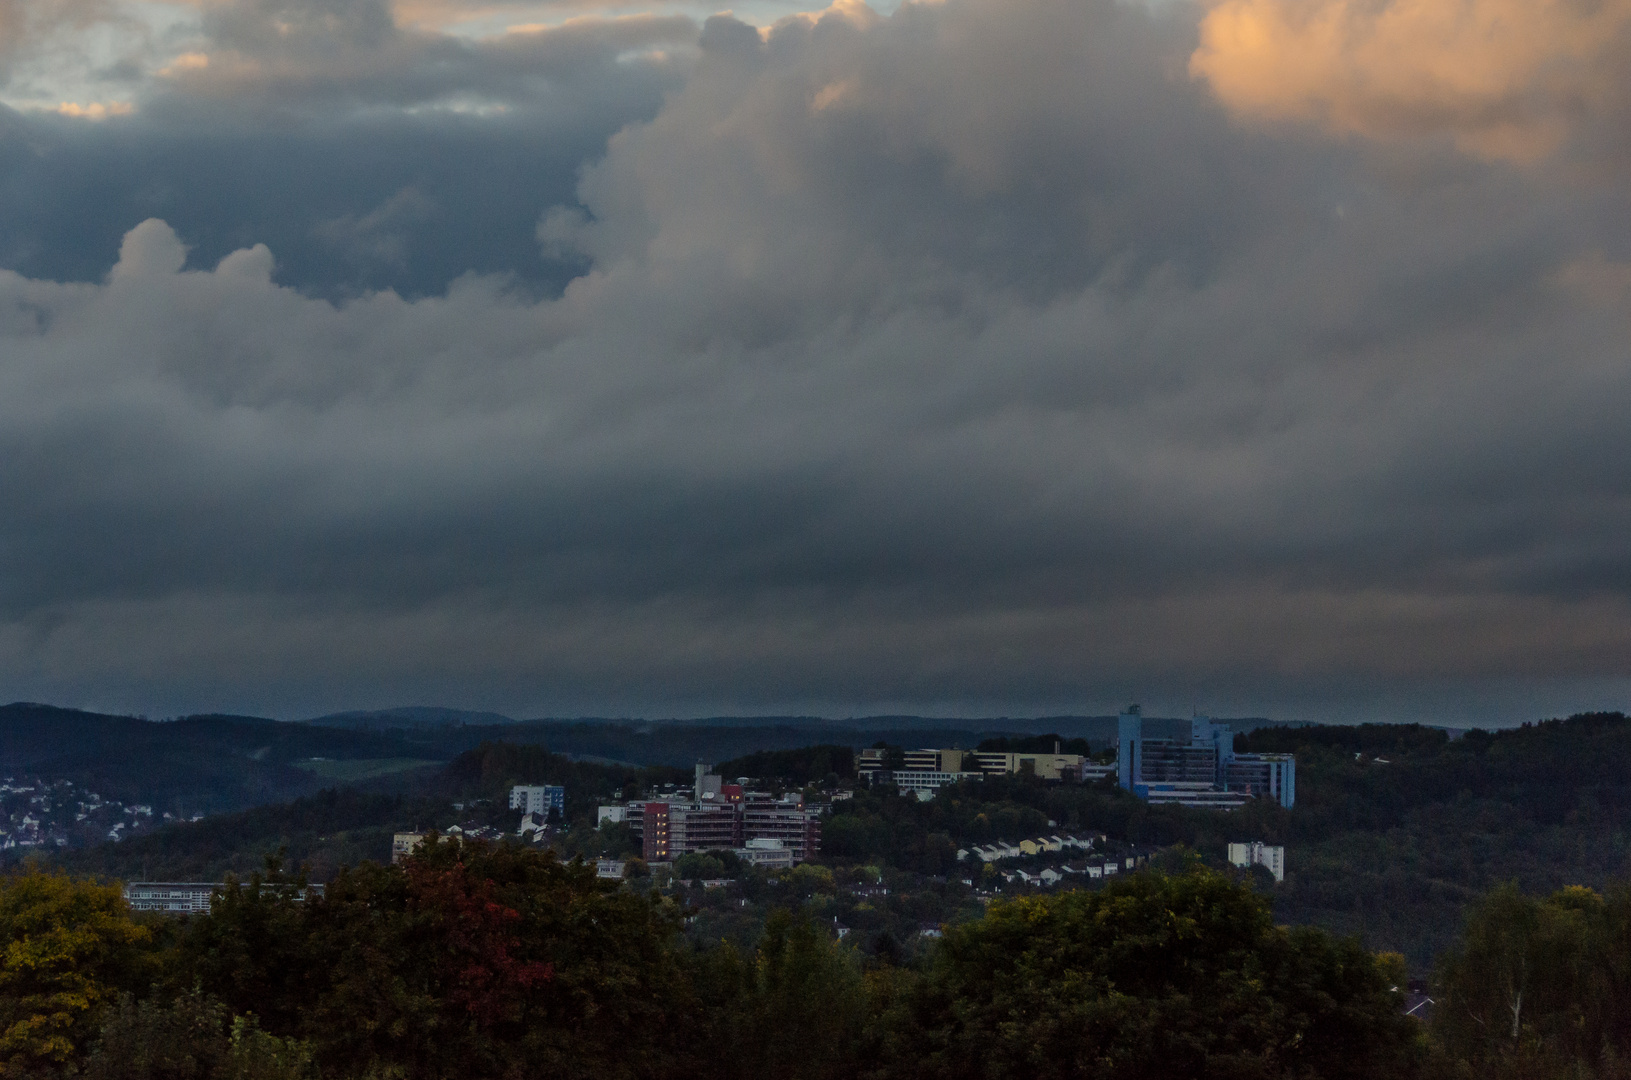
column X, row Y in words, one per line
column 766, row 854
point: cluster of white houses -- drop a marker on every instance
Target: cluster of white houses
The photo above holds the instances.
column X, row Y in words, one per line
column 1203, row 770
column 1093, row 871
column 1041, row 845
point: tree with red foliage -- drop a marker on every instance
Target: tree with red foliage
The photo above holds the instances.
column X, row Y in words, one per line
column 468, row 960
column 478, row 969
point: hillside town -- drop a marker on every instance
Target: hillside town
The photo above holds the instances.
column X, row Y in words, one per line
column 44, row 813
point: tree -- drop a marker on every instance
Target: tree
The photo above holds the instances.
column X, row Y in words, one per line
column 69, row 949
column 188, row 1038
column 1531, row 981
column 795, row 1007
column 1156, row 975
column 466, row 960
column 698, row 864
column 180, row 1039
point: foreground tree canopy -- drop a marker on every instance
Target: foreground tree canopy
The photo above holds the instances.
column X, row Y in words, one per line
column 1154, row 976
column 474, row 961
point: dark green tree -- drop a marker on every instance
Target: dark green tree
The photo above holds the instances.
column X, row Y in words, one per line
column 1155, row 976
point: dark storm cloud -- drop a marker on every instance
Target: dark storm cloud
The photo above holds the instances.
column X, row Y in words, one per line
column 367, row 157
column 974, row 355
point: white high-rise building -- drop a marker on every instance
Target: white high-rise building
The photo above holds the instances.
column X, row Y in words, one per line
column 1257, row 853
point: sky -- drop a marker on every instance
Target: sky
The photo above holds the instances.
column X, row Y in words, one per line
column 970, row 357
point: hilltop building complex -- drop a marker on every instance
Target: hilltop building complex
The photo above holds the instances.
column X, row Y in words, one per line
column 1205, row 770
column 925, row 770
column 762, row 829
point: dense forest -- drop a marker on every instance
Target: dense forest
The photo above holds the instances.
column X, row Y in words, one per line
column 477, row 961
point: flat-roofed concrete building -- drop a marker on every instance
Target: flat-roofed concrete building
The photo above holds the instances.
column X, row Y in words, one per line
column 1054, row 766
column 188, row 897
column 170, row 897
column 766, row 853
column 538, row 798
column 1203, row 770
column 1256, row 853
column 404, row 844
column 724, row 817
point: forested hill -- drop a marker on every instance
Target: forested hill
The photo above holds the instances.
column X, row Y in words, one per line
column 197, row 764
column 1398, row 827
column 345, row 827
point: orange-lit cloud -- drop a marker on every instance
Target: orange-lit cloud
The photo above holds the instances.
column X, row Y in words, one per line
column 1503, row 78
column 96, row 110
column 183, row 64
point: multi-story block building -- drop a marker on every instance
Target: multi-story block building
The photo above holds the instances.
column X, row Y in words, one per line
column 787, row 820
column 1204, row 770
column 1257, row 853
column 404, row 844
column 723, row 816
column 1054, row 766
column 170, row 897
column 1270, row 776
column 927, row 769
column 538, row 799
column 188, row 897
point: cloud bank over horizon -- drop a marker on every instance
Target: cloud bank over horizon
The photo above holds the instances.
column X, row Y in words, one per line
column 970, row 357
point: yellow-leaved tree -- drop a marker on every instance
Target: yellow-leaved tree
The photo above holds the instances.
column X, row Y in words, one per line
column 67, row 949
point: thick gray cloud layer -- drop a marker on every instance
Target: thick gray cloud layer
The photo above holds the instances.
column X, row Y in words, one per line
column 973, row 357
column 368, row 157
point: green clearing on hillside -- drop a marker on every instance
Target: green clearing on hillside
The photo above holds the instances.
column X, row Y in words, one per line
column 350, row 772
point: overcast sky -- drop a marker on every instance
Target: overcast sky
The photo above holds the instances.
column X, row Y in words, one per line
column 1261, row 357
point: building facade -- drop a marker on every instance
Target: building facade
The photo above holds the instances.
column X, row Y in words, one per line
column 538, row 799
column 170, row 897
column 1257, row 853
column 1203, row 770
column 724, row 817
column 188, row 897
column 931, row 768
column 766, row 854
column 404, row 844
